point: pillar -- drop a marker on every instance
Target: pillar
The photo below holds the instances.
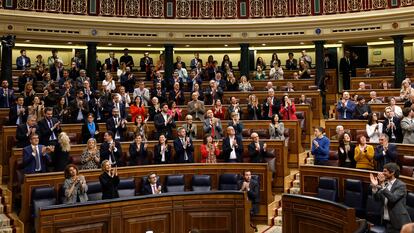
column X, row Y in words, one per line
column 399, row 66
column 91, row 64
column 7, row 44
column 169, row 61
column 244, row 60
column 320, row 72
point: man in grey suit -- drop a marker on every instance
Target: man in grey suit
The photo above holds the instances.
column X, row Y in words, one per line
column 407, row 126
column 391, row 192
column 212, row 126
column 196, row 107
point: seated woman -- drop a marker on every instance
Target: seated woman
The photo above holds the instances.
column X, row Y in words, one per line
column 109, row 83
column 385, row 85
column 245, row 85
column 373, row 128
column 137, row 108
column 174, row 111
column 395, row 108
column 304, row 71
column 364, row 154
column 162, row 151
column 61, row 156
column 276, row 128
column 138, row 152
column 209, row 150
column 254, row 108
column 141, row 127
column 276, row 72
column 232, row 84
column 37, row 108
column 346, row 151
column 75, row 186
column 287, row 109
column 90, row 157
column 90, row 129
column 259, row 74
column 109, row 180
column 218, row 110
column 405, row 91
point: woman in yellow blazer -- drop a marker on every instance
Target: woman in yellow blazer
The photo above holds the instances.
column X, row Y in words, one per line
column 364, row 154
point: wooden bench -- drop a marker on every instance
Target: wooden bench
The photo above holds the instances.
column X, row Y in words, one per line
column 56, row 180
column 374, row 82
column 384, row 71
column 303, row 214
column 175, row 213
column 294, row 142
column 352, row 125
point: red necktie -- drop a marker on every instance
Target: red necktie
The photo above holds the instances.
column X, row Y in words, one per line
column 212, row 131
column 270, row 110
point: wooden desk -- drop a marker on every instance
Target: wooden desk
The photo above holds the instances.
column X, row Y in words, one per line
column 226, row 212
column 351, row 125
column 375, row 82
column 380, row 93
column 303, row 214
column 56, row 179
column 310, row 174
column 381, row 71
column 295, row 147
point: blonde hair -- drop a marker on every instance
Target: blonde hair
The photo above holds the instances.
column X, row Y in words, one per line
column 64, row 141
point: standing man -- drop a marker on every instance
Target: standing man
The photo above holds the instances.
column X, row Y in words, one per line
column 23, row 62
column 111, row 149
column 345, row 107
column 320, row 147
column 345, row 69
column 257, row 149
column 183, row 147
column 271, row 105
column 391, row 192
column 49, row 128
column 164, row 123
column 252, row 187
column 212, row 126
column 35, row 156
column 127, row 59
column 6, row 95
column 232, row 147
column 195, row 61
column 196, row 107
column 111, row 62
column 385, row 152
column 146, row 62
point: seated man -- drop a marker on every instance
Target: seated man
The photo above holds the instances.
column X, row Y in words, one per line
column 320, row 147
column 252, row 187
column 289, row 87
column 361, row 86
column 236, row 124
column 385, row 152
column 35, row 156
column 362, row 110
column 152, row 186
column 339, row 132
column 269, row 85
column 257, row 149
column 345, row 107
column 374, row 99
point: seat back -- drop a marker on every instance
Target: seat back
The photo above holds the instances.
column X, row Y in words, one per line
column 201, row 183
column 174, row 183
column 228, row 182
column 354, row 196
column 94, row 191
column 328, row 189
column 410, row 204
column 126, row 187
column 373, row 209
column 42, row 197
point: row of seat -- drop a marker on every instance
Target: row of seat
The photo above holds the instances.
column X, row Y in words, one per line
column 47, row 196
column 358, row 195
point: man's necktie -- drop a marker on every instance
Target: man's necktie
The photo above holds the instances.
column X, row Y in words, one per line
column 37, row 158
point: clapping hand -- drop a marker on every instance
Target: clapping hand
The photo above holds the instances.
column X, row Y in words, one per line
column 374, row 180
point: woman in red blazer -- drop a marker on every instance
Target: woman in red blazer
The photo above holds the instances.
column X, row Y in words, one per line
column 287, row 109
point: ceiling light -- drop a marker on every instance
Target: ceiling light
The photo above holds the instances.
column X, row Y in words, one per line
column 69, row 42
column 27, row 41
column 109, row 44
column 302, row 43
column 380, row 38
column 340, row 41
column 187, row 45
column 263, row 44
column 148, row 45
column 226, row 45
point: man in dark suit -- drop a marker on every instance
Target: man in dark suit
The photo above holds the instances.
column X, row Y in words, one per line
column 22, row 62
column 291, row 63
column 179, row 61
column 391, row 126
column 391, row 193
column 26, row 77
column 159, row 92
column 128, row 80
column 79, row 108
column 345, row 69
column 18, row 113
column 257, row 149
column 232, row 147
column 24, row 131
column 117, row 125
column 183, row 147
column 213, row 92
column 49, row 128
column 385, row 152
column 56, row 71
column 252, row 187
column 195, row 61
column 127, row 59
column 35, row 156
column 164, row 123
column 111, row 150
column 152, row 185
column 146, row 62
column 118, row 104
column 111, row 62
column 271, row 105
column 6, row 95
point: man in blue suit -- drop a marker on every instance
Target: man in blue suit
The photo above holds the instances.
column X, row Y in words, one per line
column 183, row 147
column 6, row 95
column 35, row 156
column 345, row 107
column 22, row 62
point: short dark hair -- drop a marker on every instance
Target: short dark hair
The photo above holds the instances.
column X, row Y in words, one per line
column 290, row 53
column 47, row 109
column 163, row 104
column 393, row 168
column 406, row 111
column 319, row 128
column 110, row 133
column 22, row 50
column 247, row 170
column 358, row 139
column 360, row 97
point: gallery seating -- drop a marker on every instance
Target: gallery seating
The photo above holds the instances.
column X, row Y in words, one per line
column 328, row 189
